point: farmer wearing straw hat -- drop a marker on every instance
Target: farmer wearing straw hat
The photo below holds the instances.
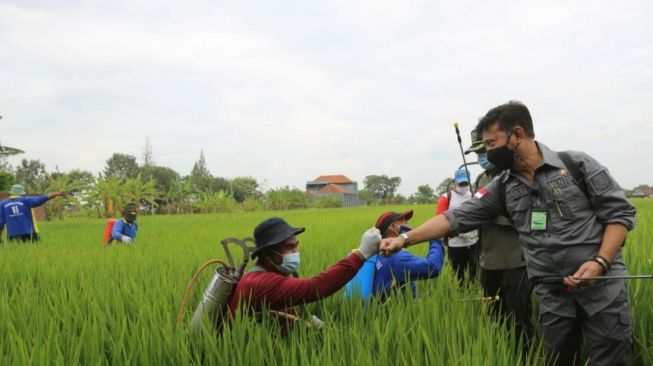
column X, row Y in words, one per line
column 501, row 259
column 572, row 218
column 17, row 213
column 272, row 283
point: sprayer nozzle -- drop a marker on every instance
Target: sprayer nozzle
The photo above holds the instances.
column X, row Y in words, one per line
column 455, row 124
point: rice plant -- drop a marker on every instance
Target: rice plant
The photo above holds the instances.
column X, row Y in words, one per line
column 69, row 300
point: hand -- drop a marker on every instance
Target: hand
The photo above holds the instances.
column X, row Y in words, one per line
column 316, row 322
column 125, row 239
column 370, row 242
column 587, row 269
column 389, row 246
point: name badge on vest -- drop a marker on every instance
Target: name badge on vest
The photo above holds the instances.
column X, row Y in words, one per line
column 539, row 220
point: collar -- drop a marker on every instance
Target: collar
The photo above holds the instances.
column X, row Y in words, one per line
column 267, row 265
column 550, row 157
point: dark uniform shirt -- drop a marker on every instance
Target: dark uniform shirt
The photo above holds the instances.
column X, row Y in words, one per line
column 500, row 246
column 574, row 225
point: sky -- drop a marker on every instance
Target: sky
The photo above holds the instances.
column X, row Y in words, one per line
column 285, row 91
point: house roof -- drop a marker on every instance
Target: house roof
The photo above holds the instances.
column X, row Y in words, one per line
column 647, row 191
column 333, row 179
column 332, row 188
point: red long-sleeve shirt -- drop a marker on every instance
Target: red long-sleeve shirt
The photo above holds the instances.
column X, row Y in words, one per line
column 275, row 291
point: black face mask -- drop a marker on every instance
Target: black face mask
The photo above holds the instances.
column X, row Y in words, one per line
column 502, row 157
column 404, row 229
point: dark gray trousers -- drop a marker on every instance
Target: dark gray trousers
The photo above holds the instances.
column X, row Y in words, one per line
column 608, row 336
column 514, row 304
column 464, row 259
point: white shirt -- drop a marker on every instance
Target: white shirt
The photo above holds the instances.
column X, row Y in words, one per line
column 463, row 239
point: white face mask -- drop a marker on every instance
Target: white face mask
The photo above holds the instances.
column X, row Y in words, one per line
column 290, row 263
column 462, row 190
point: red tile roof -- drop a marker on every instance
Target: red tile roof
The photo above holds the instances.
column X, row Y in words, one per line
column 333, row 179
column 647, row 191
column 332, row 188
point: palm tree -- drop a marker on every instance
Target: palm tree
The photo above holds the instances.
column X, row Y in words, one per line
column 6, row 151
column 106, row 195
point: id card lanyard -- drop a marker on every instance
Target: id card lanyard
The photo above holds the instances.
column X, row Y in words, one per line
column 539, row 216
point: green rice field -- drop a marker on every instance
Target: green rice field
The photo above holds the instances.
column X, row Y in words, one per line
column 71, row 301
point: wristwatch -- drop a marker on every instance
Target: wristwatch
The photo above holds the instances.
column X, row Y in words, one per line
column 405, row 236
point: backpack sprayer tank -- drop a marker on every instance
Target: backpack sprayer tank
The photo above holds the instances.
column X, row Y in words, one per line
column 223, row 282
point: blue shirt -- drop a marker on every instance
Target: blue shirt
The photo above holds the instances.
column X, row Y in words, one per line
column 122, row 227
column 404, row 267
column 16, row 213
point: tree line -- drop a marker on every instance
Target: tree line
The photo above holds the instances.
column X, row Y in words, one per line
column 162, row 190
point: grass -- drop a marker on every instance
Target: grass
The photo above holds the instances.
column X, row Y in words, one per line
column 69, row 300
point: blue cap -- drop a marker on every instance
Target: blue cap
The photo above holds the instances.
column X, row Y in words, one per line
column 461, row 176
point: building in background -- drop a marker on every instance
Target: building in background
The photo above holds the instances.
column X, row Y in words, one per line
column 335, row 185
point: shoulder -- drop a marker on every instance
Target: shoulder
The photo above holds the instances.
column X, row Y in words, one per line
column 255, row 278
column 263, row 282
column 40, row 197
column 503, row 176
column 584, row 161
column 401, row 257
column 498, row 181
column 596, row 174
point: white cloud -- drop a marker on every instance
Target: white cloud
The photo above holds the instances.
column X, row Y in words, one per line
column 286, row 91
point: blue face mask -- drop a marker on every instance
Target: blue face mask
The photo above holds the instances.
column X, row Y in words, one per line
column 290, row 263
column 404, row 229
column 483, row 162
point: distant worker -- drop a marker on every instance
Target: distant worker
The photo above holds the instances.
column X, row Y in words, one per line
column 272, row 283
column 382, row 276
column 462, row 249
column 501, row 260
column 17, row 213
column 125, row 229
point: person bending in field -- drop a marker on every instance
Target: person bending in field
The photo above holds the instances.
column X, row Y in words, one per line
column 403, row 268
column 17, row 213
column 272, row 283
column 125, row 229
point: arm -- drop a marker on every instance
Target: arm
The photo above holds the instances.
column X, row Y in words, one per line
column 116, row 232
column 56, row 194
column 436, row 227
column 483, row 207
column 613, row 237
column 35, row 201
column 610, row 205
column 608, row 200
column 417, row 267
column 282, row 292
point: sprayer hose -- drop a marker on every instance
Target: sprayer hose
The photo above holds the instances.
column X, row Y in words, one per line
column 189, row 289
